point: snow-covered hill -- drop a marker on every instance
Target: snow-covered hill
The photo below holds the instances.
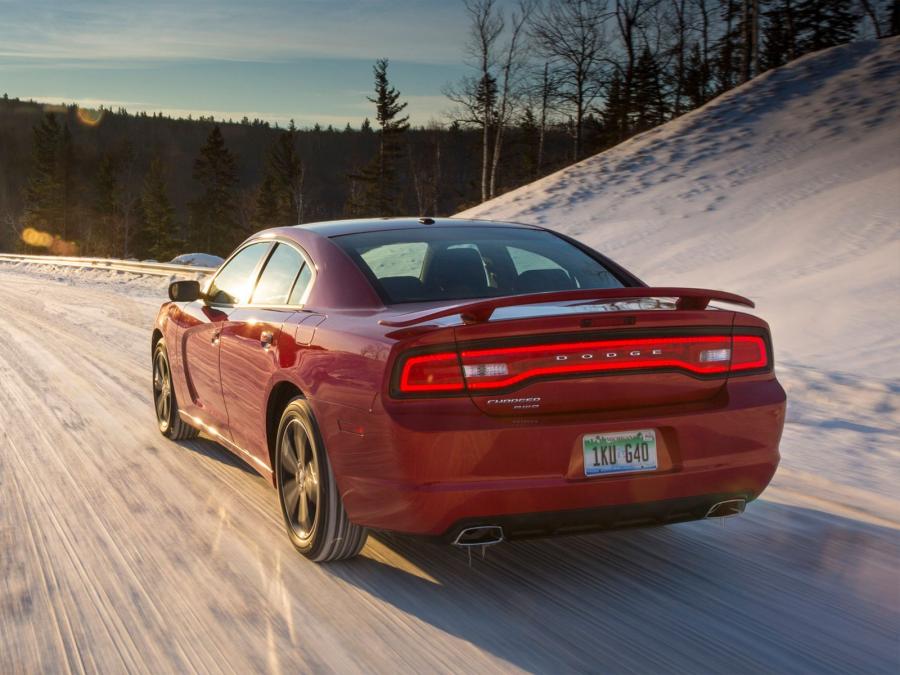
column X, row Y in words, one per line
column 787, row 190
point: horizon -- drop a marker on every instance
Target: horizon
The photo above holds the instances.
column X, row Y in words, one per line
column 229, row 60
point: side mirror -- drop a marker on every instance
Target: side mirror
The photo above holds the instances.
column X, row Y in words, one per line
column 184, row 291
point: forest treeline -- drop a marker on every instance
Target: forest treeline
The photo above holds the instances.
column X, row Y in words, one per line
column 549, row 83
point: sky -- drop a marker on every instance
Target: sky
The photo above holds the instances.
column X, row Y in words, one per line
column 307, row 60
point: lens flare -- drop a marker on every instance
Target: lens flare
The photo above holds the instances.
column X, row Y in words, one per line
column 89, row 117
column 53, row 244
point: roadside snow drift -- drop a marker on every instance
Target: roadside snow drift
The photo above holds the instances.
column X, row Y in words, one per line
column 786, row 190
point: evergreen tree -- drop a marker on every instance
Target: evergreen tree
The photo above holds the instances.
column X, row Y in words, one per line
column 67, row 181
column 44, row 194
column 214, row 228
column 696, row 78
column 615, row 111
column 266, row 213
column 779, row 34
column 649, row 100
column 285, row 175
column 531, row 137
column 157, row 237
column 728, row 61
column 825, row 23
column 380, row 193
column 106, row 235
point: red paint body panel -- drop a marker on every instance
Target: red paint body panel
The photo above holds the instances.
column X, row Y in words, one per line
column 423, row 465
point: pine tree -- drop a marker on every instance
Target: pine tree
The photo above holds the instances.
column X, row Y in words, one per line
column 157, row 238
column 649, row 101
column 107, row 232
column 45, row 192
column 779, row 34
column 614, row 112
column 285, row 174
column 214, row 227
column 825, row 23
column 696, row 78
column 266, row 213
column 380, row 193
column 531, row 138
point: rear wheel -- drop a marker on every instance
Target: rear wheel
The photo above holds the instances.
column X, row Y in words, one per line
column 313, row 513
column 167, row 419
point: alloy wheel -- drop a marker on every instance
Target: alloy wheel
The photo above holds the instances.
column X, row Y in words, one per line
column 299, row 475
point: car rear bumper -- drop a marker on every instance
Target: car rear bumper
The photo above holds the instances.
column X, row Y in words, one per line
column 580, row 521
column 433, row 477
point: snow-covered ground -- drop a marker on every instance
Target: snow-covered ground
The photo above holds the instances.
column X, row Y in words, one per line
column 786, row 190
column 122, row 551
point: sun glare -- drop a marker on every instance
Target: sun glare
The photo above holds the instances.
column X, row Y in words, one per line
column 89, row 117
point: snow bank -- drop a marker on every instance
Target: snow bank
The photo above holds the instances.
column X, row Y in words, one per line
column 144, row 285
column 786, row 190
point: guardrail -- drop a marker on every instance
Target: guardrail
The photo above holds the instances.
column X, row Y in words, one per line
column 136, row 266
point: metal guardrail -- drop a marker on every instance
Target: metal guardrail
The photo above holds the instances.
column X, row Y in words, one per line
column 136, row 266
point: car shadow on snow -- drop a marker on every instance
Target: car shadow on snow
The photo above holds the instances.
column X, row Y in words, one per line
column 782, row 587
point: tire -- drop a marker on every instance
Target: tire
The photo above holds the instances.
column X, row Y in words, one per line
column 314, row 515
column 168, row 420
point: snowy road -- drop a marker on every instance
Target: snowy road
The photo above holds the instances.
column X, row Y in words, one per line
column 120, row 550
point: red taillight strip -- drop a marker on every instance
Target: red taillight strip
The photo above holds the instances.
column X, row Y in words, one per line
column 593, row 345
column 449, row 371
column 761, row 362
column 599, row 366
column 407, row 386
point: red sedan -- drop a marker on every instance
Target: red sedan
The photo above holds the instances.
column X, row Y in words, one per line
column 467, row 381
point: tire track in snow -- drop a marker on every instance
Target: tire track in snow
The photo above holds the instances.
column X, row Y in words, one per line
column 143, row 555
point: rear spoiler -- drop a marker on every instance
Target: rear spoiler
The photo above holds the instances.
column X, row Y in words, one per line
column 481, row 310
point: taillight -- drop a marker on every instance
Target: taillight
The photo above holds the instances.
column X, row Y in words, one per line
column 479, row 370
column 748, row 352
column 431, row 373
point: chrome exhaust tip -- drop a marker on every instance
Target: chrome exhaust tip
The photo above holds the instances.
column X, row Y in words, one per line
column 727, row 509
column 482, row 535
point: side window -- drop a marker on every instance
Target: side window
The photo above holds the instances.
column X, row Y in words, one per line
column 234, row 282
column 277, row 278
column 298, row 295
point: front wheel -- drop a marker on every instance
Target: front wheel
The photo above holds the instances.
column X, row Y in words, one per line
column 313, row 513
column 167, row 418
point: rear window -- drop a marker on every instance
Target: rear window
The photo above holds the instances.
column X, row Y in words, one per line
column 457, row 263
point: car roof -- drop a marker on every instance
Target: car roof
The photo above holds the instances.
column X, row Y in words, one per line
column 336, row 228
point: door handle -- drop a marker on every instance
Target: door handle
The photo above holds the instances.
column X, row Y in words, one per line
column 215, row 337
column 265, row 339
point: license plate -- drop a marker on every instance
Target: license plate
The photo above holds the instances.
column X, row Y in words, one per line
column 619, row 452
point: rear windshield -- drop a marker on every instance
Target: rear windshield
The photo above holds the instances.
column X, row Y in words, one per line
column 456, row 263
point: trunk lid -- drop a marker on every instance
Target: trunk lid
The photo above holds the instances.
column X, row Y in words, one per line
column 587, row 358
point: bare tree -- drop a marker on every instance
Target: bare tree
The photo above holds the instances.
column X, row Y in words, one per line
column 509, row 71
column 569, row 34
column 546, row 91
column 476, row 96
column 871, row 11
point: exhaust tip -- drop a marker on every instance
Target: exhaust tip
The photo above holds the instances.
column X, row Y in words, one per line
column 482, row 535
column 727, row 509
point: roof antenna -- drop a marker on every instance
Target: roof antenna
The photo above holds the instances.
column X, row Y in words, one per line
column 426, row 221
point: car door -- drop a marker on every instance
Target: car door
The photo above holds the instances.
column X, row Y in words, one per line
column 203, row 321
column 250, row 342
